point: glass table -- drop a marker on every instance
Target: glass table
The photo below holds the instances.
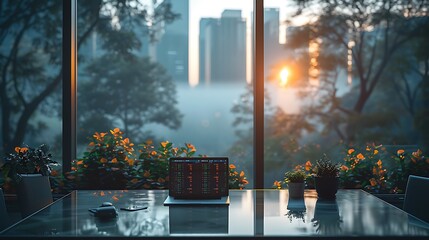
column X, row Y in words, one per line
column 251, row 213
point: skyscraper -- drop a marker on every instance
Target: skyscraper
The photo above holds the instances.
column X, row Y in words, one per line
column 223, row 48
column 171, row 50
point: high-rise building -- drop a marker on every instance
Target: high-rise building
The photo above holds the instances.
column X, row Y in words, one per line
column 223, row 48
column 171, row 49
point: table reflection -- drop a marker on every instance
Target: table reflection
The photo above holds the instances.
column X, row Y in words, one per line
column 194, row 219
column 297, row 209
column 327, row 218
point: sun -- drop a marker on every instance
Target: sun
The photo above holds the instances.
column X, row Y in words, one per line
column 284, row 75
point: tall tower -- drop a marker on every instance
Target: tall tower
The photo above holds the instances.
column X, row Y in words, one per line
column 173, row 44
column 223, row 48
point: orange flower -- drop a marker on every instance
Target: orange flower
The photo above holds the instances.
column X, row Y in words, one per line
column 360, row 156
column 134, row 180
column 79, row 162
column 231, row 166
column 417, row 154
column 91, row 144
column 350, row 151
column 400, row 151
column 114, row 160
column 344, row 168
column 191, row 147
column 367, row 148
column 149, row 142
column 54, row 173
column 17, row 149
column 308, row 166
column 130, row 162
column 373, row 182
column 164, row 144
column 379, row 163
column 375, row 152
column 153, row 153
column 161, row 180
column 242, row 174
column 103, row 160
column 146, row 174
column 23, row 150
column 277, row 184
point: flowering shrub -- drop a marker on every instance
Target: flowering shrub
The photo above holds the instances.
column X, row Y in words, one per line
column 153, row 172
column 363, row 168
column 109, row 162
column 236, row 180
column 407, row 164
column 154, row 169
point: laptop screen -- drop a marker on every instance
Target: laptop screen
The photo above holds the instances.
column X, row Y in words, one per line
column 198, row 177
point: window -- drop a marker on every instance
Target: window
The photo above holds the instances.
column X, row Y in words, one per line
column 31, row 78
column 182, row 79
column 346, row 79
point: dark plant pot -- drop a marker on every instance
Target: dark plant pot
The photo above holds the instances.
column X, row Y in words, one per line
column 34, row 193
column 296, row 190
column 326, row 187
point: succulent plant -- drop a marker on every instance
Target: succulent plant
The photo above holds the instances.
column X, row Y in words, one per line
column 326, row 168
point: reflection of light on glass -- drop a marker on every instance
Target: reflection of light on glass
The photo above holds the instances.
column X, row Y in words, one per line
column 313, row 71
column 350, row 45
column 284, row 75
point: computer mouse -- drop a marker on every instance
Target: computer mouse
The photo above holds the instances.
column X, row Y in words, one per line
column 106, row 204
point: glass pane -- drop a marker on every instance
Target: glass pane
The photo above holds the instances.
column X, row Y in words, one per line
column 31, row 77
column 170, row 71
column 349, row 80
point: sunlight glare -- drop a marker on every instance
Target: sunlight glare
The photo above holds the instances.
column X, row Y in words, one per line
column 284, row 74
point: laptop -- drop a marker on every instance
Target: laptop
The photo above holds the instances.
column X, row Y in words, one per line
column 198, row 180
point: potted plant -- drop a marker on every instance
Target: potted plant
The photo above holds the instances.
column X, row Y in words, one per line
column 326, row 178
column 29, row 170
column 296, row 183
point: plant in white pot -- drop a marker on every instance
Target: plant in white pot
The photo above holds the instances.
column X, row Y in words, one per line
column 29, row 170
column 295, row 180
column 326, row 178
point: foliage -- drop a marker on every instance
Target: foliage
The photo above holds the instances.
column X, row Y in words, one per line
column 236, row 180
column 368, row 168
column 133, row 93
column 153, row 173
column 108, row 163
column 341, row 28
column 295, row 176
column 363, row 168
column 30, row 57
column 407, row 164
column 28, row 160
column 326, row 168
column 111, row 163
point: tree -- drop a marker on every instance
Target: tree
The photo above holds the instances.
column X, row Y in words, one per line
column 30, row 56
column 372, row 32
column 128, row 94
